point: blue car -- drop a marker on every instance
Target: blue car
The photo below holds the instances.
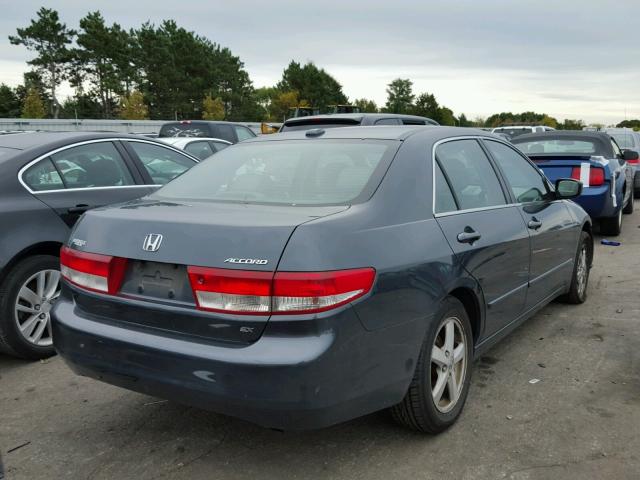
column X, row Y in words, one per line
column 306, row 278
column 593, row 158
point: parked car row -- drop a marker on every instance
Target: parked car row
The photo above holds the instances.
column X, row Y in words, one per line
column 301, row 279
column 596, row 160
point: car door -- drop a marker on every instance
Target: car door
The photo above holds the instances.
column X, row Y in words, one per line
column 159, row 164
column 552, row 229
column 485, row 232
column 79, row 177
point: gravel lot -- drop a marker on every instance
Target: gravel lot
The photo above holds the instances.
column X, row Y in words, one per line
column 581, row 420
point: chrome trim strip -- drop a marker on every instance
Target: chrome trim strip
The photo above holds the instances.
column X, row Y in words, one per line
column 505, row 295
column 87, row 142
column 549, row 272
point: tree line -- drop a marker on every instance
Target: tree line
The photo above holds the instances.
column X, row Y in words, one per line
column 167, row 72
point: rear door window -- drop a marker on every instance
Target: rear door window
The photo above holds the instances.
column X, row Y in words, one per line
column 92, row 165
column 217, row 146
column 471, row 176
column 200, row 149
column 43, row 176
column 243, row 133
column 162, row 164
column 445, row 201
column 224, row 132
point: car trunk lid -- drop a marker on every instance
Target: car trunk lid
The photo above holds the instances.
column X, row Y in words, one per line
column 160, row 240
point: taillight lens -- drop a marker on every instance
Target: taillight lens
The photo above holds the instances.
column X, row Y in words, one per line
column 635, row 161
column 263, row 293
column 295, row 292
column 596, row 175
column 231, row 291
column 92, row 271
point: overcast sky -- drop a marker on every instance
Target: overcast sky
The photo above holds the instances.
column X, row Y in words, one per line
column 569, row 58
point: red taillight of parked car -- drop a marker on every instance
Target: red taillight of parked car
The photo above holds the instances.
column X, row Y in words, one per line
column 92, row 271
column 596, row 175
column 635, row 161
column 231, row 291
column 263, row 293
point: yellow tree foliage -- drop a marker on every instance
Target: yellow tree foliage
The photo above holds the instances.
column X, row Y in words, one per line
column 212, row 108
column 133, row 107
column 284, row 101
column 33, row 106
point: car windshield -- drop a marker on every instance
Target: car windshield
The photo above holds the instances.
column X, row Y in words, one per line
column 296, row 172
column 583, row 146
column 624, row 140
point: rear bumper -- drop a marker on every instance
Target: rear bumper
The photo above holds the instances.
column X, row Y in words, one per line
column 324, row 372
column 597, row 201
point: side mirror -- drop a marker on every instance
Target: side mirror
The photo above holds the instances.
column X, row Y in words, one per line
column 630, row 155
column 568, row 188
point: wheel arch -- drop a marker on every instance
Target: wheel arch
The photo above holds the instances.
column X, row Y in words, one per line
column 41, row 248
column 469, row 299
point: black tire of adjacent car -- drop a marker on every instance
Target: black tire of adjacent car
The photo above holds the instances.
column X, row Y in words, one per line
column 611, row 225
column 628, row 208
column 574, row 296
column 417, row 410
column 11, row 341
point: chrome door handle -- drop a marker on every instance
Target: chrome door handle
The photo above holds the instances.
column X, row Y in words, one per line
column 534, row 224
column 468, row 236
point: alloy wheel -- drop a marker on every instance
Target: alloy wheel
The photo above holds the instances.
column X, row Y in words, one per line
column 33, row 305
column 448, row 364
column 582, row 271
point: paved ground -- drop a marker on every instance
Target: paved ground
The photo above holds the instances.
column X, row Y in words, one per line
column 581, row 420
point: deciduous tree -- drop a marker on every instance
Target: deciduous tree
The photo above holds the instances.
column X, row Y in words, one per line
column 212, row 108
column 132, row 107
column 33, row 106
column 399, row 96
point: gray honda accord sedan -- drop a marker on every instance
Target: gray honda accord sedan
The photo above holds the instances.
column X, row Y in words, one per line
column 307, row 278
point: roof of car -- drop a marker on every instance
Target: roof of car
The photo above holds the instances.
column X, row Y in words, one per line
column 355, row 116
column 386, row 132
column 24, row 141
column 561, row 134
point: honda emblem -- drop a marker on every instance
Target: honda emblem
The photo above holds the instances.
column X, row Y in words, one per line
column 152, row 242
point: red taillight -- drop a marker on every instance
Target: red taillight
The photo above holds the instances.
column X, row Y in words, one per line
column 92, row 271
column 231, row 291
column 635, row 161
column 295, row 292
column 596, row 176
column 262, row 293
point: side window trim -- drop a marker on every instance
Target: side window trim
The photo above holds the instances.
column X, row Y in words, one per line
column 448, row 182
column 66, row 147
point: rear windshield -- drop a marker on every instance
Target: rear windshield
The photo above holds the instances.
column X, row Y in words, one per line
column 184, row 130
column 296, row 172
column 624, row 140
column 582, row 146
column 513, row 132
column 318, row 124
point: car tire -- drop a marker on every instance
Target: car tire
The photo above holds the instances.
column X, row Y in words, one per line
column 580, row 279
column 39, row 274
column 435, row 373
column 612, row 225
column 628, row 208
